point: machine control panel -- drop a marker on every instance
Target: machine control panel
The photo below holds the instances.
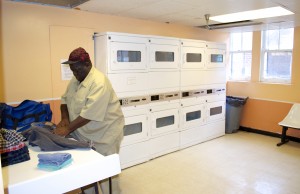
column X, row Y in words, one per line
column 133, row 101
column 164, row 96
column 193, row 93
column 215, row 91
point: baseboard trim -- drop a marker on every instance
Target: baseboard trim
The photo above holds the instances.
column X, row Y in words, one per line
column 267, row 133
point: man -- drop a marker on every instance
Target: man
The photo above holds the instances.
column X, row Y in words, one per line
column 90, row 110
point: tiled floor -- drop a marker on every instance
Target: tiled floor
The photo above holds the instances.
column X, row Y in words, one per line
column 239, row 163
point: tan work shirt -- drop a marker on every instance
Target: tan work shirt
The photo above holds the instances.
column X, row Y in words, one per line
column 94, row 99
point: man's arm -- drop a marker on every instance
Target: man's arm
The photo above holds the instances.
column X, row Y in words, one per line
column 65, row 130
column 64, row 116
column 65, row 126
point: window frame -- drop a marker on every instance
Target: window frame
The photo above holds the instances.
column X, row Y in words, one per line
column 264, row 51
column 243, row 52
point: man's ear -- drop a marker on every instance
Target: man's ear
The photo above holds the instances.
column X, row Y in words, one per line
column 88, row 64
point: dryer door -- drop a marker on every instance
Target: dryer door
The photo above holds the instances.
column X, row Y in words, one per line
column 192, row 116
column 128, row 56
column 164, row 56
column 164, row 121
column 135, row 130
column 215, row 58
column 193, row 57
column 215, row 111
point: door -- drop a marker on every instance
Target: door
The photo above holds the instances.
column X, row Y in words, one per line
column 164, row 56
column 193, row 57
column 192, row 116
column 216, row 58
column 128, row 56
column 164, row 121
column 136, row 129
column 215, row 111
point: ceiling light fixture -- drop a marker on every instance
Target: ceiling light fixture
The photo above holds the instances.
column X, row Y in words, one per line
column 252, row 15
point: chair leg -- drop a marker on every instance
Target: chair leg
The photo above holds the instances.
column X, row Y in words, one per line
column 283, row 136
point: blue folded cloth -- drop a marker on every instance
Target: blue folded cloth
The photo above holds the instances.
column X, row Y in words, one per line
column 54, row 159
column 49, row 167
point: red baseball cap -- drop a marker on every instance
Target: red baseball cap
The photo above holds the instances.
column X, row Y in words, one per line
column 78, row 55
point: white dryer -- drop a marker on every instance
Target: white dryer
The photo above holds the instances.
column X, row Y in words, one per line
column 164, row 123
column 134, row 146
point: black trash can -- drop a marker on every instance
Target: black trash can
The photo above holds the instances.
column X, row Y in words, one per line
column 234, row 107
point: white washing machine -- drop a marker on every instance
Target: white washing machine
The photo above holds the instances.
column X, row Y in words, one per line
column 134, row 146
column 164, row 123
column 215, row 115
column 192, row 117
column 124, row 59
column 193, row 54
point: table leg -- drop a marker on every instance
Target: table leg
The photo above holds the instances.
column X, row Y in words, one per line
column 110, row 186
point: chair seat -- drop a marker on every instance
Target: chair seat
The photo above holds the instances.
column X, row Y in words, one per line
column 292, row 120
column 294, row 125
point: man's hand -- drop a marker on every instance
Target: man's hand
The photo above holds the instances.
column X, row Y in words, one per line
column 61, row 131
column 63, row 123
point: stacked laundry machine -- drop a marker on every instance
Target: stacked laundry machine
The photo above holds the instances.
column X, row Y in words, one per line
column 172, row 91
column 203, row 91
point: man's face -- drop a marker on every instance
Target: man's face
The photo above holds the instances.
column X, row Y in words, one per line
column 80, row 70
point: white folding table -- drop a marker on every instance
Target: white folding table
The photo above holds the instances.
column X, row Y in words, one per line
column 88, row 167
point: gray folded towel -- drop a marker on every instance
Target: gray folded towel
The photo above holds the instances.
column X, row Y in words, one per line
column 47, row 141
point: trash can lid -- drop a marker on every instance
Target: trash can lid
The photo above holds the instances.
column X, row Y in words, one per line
column 236, row 101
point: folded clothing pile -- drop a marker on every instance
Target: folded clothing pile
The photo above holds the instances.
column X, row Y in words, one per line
column 47, row 141
column 54, row 161
column 12, row 148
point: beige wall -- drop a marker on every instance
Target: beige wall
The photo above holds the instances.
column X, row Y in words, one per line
column 30, row 56
column 34, row 38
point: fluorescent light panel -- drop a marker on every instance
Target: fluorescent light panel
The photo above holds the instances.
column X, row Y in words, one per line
column 252, row 15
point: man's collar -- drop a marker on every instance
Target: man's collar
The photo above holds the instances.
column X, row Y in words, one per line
column 86, row 79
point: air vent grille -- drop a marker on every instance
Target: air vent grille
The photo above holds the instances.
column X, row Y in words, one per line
column 230, row 25
column 57, row 3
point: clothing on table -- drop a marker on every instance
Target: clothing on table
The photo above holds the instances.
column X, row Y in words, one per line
column 10, row 138
column 12, row 148
column 49, row 167
column 14, row 157
column 44, row 124
column 47, row 141
column 94, row 99
column 54, row 161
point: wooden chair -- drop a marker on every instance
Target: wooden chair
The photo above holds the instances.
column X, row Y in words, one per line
column 292, row 120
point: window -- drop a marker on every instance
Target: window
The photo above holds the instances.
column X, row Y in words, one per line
column 276, row 56
column 240, row 56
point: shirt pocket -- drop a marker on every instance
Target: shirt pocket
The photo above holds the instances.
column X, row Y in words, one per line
column 78, row 104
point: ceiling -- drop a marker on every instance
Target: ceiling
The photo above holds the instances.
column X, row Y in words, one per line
column 187, row 12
